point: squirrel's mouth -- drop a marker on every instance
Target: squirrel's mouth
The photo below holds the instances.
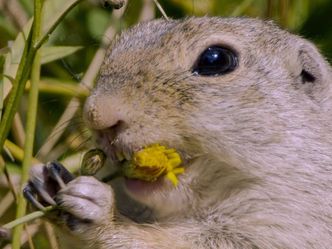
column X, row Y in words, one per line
column 146, row 163
column 146, row 181
column 141, row 189
column 118, row 155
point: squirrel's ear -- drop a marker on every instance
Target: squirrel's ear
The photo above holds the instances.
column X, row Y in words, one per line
column 315, row 73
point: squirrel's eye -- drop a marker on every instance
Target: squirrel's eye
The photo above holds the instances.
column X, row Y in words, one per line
column 215, row 61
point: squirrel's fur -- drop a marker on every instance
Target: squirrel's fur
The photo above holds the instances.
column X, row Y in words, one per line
column 257, row 141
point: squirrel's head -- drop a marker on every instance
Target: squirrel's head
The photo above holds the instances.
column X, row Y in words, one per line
column 217, row 90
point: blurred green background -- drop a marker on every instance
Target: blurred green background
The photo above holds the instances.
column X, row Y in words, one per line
column 85, row 27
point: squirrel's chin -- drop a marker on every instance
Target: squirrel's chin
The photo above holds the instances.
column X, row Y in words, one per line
column 151, row 194
column 140, row 188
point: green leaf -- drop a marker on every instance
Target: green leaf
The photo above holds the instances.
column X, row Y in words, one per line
column 53, row 53
column 12, row 61
column 98, row 20
column 53, row 12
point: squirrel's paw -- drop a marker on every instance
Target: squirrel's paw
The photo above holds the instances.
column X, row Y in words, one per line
column 44, row 183
column 88, row 200
column 78, row 203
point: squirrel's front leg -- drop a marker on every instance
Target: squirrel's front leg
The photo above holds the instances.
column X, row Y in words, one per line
column 83, row 206
column 88, row 211
column 91, row 204
column 86, row 215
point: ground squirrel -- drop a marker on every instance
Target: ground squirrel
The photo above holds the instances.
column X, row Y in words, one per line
column 247, row 105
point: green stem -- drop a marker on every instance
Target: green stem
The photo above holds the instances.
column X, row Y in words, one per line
column 31, row 122
column 65, row 89
column 27, row 218
column 1, row 96
column 16, row 91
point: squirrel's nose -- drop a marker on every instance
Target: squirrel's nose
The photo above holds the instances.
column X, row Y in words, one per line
column 102, row 112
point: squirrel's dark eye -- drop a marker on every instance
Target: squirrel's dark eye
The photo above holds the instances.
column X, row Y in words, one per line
column 214, row 61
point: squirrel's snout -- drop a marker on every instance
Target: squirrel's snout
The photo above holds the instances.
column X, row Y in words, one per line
column 102, row 112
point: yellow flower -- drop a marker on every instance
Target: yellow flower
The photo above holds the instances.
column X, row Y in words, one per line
column 154, row 161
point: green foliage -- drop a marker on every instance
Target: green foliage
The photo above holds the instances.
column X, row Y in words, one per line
column 53, row 53
column 72, row 31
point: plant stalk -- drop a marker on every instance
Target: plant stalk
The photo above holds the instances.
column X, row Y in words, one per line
column 17, row 91
column 27, row 218
column 31, row 121
column 17, row 152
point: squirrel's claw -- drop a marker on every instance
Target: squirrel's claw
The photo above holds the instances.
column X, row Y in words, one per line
column 29, row 194
column 45, row 181
column 39, row 189
column 59, row 173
